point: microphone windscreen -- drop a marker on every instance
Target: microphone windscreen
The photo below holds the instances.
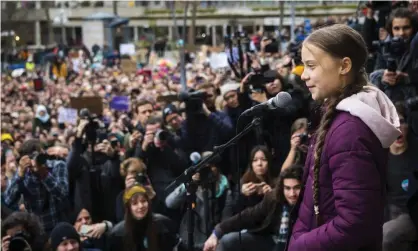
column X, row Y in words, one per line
column 195, row 157
column 282, row 100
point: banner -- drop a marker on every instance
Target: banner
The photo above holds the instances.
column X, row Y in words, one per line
column 120, row 103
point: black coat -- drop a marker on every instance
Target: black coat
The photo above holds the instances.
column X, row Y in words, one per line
column 94, row 186
column 165, row 231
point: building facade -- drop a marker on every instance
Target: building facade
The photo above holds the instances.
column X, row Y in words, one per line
column 31, row 21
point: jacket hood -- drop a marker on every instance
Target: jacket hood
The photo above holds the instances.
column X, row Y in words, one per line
column 376, row 110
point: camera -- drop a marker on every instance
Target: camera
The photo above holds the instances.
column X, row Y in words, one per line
column 193, row 101
column 142, row 179
column 391, row 50
column 272, row 47
column 19, row 242
column 412, row 103
column 162, row 135
column 40, row 158
column 93, row 129
column 304, row 138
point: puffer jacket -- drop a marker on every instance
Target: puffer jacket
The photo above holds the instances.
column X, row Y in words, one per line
column 352, row 178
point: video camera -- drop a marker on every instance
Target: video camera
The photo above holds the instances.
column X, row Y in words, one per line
column 194, row 101
column 94, row 129
column 260, row 79
column 391, row 50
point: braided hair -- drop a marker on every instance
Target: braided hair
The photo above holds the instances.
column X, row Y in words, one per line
column 340, row 41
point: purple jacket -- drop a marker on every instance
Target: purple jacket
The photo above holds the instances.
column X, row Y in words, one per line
column 352, row 180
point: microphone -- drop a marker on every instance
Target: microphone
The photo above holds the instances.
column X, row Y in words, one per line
column 281, row 100
column 195, row 157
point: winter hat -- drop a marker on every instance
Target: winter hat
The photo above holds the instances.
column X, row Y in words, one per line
column 169, row 109
column 61, row 232
column 228, row 87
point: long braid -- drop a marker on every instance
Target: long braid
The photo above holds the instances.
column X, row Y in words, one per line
column 325, row 124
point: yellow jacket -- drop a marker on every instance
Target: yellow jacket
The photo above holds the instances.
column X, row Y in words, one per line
column 61, row 72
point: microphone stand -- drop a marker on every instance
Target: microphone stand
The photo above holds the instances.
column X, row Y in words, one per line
column 191, row 188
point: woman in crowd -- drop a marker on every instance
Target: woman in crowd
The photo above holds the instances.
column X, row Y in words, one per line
column 42, row 121
column 256, row 182
column 130, row 169
column 92, row 235
column 141, row 229
column 344, row 197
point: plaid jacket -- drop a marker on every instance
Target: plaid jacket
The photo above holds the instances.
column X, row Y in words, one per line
column 46, row 198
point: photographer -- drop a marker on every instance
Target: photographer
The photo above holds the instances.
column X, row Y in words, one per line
column 94, row 175
column 399, row 79
column 22, row 230
column 133, row 170
column 217, row 187
column 162, row 161
column 276, row 123
column 205, row 127
column 298, row 144
column 42, row 182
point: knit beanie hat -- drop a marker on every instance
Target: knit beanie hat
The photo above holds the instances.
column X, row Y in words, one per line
column 229, row 86
column 61, row 232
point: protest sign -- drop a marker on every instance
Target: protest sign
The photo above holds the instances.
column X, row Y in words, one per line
column 120, row 103
column 67, row 115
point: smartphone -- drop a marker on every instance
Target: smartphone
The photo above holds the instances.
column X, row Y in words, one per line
column 84, row 230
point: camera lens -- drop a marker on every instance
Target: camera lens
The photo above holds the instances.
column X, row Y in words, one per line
column 161, row 135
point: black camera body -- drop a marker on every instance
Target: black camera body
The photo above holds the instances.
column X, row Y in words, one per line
column 20, row 242
column 391, row 50
column 162, row 135
column 304, row 138
column 412, row 103
column 41, row 158
column 142, row 179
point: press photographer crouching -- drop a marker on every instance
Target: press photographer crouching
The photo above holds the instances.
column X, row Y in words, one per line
column 211, row 189
column 22, row 231
column 266, row 224
column 94, row 175
column 42, row 180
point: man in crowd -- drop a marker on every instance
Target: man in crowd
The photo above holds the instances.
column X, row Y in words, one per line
column 43, row 184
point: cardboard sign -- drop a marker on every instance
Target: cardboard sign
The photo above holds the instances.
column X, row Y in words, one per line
column 67, row 115
column 128, row 66
column 93, row 104
column 127, row 49
column 218, row 60
column 120, row 103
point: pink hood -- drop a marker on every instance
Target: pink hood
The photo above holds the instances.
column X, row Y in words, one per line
column 377, row 111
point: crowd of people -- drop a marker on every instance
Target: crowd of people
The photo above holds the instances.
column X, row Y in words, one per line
column 314, row 175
